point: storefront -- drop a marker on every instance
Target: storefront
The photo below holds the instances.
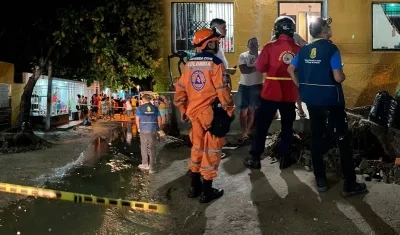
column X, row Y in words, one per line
column 63, row 99
column 121, row 93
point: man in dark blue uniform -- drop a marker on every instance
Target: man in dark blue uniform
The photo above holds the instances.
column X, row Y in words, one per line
column 320, row 74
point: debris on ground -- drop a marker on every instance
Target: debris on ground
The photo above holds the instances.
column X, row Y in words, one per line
column 21, row 142
column 373, row 150
column 119, row 162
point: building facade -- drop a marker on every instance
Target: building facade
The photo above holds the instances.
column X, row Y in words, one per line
column 367, row 33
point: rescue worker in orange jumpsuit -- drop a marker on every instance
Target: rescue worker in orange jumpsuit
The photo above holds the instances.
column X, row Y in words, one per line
column 279, row 92
column 203, row 96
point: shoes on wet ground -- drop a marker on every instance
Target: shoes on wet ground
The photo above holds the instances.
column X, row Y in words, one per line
column 209, row 193
column 285, row 162
column 195, row 185
column 251, row 163
column 244, row 141
column 353, row 189
column 144, row 167
column 322, row 184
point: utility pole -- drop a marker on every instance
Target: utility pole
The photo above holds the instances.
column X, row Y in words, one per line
column 49, row 95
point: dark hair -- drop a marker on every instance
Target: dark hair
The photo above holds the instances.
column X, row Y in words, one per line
column 146, row 97
column 253, row 38
column 217, row 21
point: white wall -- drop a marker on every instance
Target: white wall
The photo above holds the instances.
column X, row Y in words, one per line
column 382, row 29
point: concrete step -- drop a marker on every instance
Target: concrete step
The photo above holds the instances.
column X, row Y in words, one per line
column 69, row 126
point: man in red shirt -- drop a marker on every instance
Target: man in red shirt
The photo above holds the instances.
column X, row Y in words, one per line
column 279, row 92
column 96, row 104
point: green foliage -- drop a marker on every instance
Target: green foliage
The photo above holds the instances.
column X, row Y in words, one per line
column 116, row 41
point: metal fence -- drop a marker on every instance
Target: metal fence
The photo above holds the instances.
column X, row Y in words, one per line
column 187, row 18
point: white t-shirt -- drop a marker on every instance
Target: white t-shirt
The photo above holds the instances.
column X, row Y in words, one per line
column 252, row 78
column 220, row 54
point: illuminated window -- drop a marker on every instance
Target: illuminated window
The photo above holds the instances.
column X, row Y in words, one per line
column 386, row 26
column 303, row 14
column 187, row 18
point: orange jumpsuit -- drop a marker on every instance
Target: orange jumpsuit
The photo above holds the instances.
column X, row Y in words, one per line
column 202, row 81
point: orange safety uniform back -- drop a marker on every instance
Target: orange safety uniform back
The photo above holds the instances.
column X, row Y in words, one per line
column 202, row 81
column 274, row 60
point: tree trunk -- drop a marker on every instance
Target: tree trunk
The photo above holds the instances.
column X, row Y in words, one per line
column 26, row 102
column 49, row 95
column 25, row 105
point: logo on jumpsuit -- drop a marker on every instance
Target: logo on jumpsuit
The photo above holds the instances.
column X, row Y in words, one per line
column 148, row 109
column 198, row 80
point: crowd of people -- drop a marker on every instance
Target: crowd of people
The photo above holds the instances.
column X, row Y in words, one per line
column 105, row 107
column 286, row 71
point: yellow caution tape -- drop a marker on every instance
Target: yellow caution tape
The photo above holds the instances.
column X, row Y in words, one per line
column 82, row 198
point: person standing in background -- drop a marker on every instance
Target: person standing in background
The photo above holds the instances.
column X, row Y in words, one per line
column 148, row 121
column 78, row 106
column 133, row 103
column 250, row 86
column 107, row 108
column 162, row 108
column 220, row 24
column 128, row 107
column 85, row 108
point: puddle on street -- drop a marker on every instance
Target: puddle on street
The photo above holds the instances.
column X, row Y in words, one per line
column 108, row 169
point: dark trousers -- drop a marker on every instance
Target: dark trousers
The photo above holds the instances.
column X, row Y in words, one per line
column 333, row 122
column 264, row 116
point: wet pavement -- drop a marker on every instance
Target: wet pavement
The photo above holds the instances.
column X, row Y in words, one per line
column 271, row 201
column 108, row 169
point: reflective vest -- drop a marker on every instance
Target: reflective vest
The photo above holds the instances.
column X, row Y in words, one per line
column 148, row 117
column 317, row 84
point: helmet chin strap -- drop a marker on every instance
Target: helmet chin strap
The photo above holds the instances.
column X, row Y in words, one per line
column 216, row 49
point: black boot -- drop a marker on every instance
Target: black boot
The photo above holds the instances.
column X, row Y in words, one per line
column 353, row 189
column 209, row 193
column 285, row 161
column 195, row 185
column 251, row 163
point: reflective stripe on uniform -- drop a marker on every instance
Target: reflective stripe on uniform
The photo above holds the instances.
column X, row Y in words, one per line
column 183, row 100
column 210, row 168
column 221, row 87
column 195, row 163
column 228, row 105
column 206, row 151
column 310, row 84
column 180, row 85
column 278, row 78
